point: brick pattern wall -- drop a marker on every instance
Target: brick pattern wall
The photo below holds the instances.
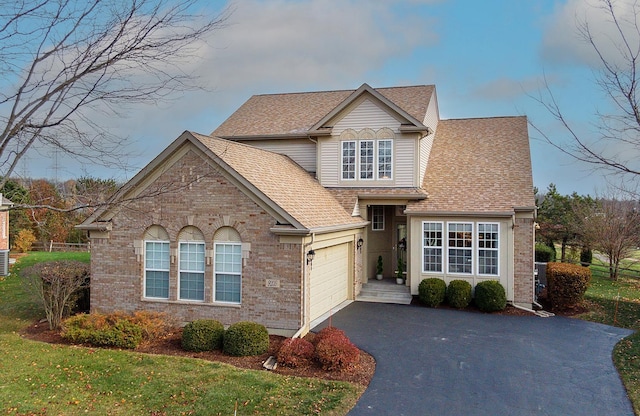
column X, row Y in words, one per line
column 199, row 196
column 523, row 261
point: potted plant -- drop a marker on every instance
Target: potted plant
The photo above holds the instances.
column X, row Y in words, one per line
column 400, row 272
column 379, row 268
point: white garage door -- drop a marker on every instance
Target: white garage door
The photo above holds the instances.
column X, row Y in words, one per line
column 329, row 279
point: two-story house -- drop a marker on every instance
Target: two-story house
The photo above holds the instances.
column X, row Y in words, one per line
column 280, row 214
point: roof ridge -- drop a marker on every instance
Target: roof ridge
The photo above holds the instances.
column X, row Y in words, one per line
column 481, row 118
column 340, row 90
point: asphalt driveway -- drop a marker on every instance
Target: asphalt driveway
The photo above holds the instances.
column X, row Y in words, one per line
column 446, row 362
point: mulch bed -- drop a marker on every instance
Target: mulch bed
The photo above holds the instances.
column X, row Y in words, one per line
column 361, row 373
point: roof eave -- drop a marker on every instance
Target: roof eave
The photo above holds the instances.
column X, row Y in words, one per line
column 475, row 214
column 280, row 230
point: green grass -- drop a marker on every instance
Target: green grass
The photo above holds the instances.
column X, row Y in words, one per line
column 617, row 303
column 45, row 379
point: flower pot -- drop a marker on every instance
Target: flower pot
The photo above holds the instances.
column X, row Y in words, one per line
column 399, row 280
column 379, row 276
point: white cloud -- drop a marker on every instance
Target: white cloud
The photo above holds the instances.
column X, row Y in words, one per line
column 563, row 42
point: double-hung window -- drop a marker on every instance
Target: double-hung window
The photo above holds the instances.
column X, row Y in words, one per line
column 349, row 160
column 385, row 157
column 191, row 271
column 367, row 159
column 228, row 272
column 156, row 269
column 460, row 247
column 488, row 237
column 432, row 246
column 377, row 217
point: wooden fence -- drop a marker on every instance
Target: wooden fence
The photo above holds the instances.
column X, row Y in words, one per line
column 53, row 246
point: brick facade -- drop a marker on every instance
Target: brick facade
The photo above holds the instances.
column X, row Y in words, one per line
column 523, row 261
column 201, row 197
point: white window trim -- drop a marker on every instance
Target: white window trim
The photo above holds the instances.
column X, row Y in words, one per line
column 373, row 217
column 376, row 159
column 478, row 248
column 180, row 243
column 471, row 249
column 144, row 281
column 441, row 247
column 356, row 171
column 215, row 245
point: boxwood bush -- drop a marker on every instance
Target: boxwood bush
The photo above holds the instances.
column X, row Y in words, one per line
column 459, row 293
column 566, row 284
column 432, row 291
column 490, row 296
column 245, row 338
column 202, row 335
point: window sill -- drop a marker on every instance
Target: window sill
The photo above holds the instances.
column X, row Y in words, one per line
column 193, row 302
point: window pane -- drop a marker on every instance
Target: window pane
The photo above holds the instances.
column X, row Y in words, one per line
column 460, row 253
column 228, row 272
column 191, row 286
column 156, row 271
column 157, row 285
column 488, row 262
column 377, row 218
column 192, row 257
column 432, row 246
column 157, row 255
column 366, row 159
column 348, row 160
column 384, row 159
column 488, row 243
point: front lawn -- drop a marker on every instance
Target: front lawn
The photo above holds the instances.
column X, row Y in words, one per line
column 43, row 379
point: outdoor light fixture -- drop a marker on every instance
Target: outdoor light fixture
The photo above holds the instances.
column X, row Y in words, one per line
column 310, row 255
column 359, row 243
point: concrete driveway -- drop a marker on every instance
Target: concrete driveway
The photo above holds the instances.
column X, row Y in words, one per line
column 446, row 362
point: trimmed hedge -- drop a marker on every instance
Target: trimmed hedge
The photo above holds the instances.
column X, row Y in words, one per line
column 566, row 284
column 295, row 352
column 334, row 351
column 202, row 335
column 459, row 293
column 544, row 253
column 432, row 291
column 490, row 296
column 245, row 338
column 326, row 332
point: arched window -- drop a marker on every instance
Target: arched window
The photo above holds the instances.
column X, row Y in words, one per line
column 156, row 263
column 227, row 273
column 191, row 264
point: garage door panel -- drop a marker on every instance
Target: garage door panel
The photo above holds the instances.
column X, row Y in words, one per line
column 329, row 279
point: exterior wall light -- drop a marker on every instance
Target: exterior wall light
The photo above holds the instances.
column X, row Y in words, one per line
column 310, row 255
column 359, row 243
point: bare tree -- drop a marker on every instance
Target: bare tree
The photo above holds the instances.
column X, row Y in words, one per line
column 611, row 227
column 63, row 61
column 614, row 145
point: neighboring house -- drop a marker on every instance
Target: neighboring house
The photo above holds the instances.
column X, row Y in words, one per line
column 280, row 214
column 5, row 245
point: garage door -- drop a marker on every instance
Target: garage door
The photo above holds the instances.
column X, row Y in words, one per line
column 329, row 279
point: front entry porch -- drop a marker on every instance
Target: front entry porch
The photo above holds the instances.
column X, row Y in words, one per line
column 385, row 291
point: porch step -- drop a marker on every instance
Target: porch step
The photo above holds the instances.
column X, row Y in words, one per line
column 385, row 291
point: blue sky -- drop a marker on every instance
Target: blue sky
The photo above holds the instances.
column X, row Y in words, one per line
column 486, row 58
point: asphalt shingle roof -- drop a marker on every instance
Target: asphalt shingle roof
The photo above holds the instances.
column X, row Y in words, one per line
column 478, row 165
column 283, row 181
column 296, row 113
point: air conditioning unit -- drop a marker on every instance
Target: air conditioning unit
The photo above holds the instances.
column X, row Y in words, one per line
column 4, row 262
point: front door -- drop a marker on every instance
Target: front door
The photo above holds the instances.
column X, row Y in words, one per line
column 400, row 245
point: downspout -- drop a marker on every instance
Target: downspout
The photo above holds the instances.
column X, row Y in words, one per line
column 305, row 287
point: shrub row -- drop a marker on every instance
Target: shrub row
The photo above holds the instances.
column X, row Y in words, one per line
column 240, row 339
column 330, row 347
column 117, row 329
column 566, row 284
column 490, row 295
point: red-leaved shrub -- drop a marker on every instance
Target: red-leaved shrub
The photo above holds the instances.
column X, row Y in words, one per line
column 295, row 352
column 334, row 351
column 328, row 331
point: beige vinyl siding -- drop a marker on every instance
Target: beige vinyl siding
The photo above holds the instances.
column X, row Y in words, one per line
column 329, row 171
column 431, row 119
column 405, row 161
column 366, row 114
column 302, row 151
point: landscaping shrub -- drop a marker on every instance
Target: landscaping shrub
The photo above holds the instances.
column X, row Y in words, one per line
column 327, row 331
column 432, row 291
column 154, row 325
column 56, row 285
column 334, row 351
column 202, row 335
column 459, row 293
column 544, row 253
column 102, row 331
column 295, row 352
column 245, row 338
column 566, row 284
column 490, row 296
